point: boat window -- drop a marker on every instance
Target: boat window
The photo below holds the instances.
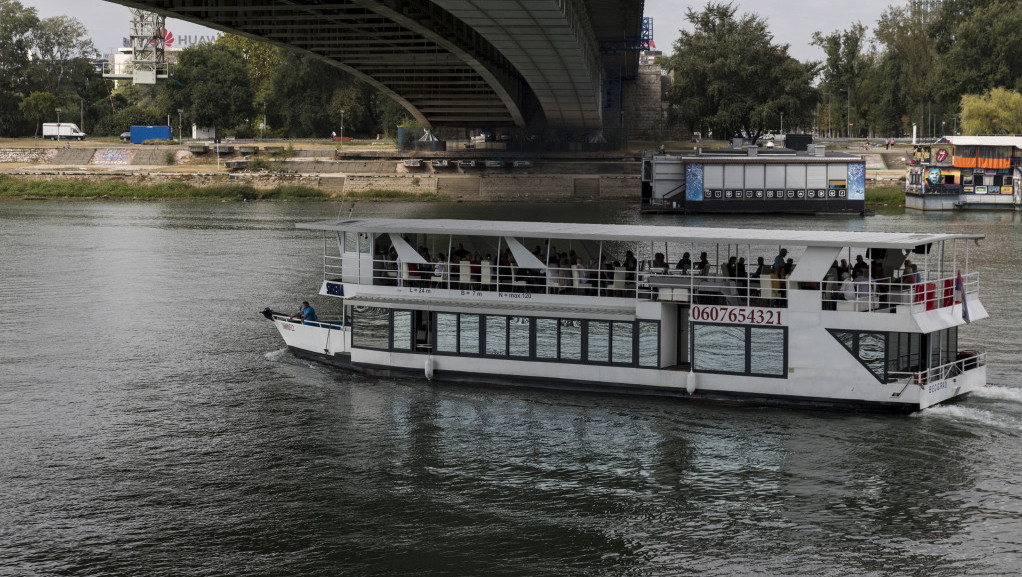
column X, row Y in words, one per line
column 519, row 331
column 546, row 338
column 496, row 335
column 766, row 351
column 599, row 342
column 468, row 334
column 622, row 343
column 571, row 340
column 718, row 348
column 869, row 348
column 370, row 327
column 447, row 333
column 402, row 330
column 649, row 344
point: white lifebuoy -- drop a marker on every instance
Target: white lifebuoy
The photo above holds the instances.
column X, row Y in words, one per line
column 690, row 385
column 429, row 368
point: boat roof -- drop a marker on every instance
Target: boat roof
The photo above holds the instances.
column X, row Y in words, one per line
column 634, row 233
column 1015, row 141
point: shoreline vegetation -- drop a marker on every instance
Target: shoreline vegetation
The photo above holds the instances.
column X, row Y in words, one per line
column 62, row 189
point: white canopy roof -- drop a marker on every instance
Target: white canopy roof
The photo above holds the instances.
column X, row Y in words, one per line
column 634, row 233
column 1015, row 141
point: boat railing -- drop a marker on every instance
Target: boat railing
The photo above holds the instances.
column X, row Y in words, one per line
column 966, row 361
column 890, row 293
column 326, row 322
column 646, row 283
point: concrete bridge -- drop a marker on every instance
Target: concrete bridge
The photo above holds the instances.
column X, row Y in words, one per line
column 538, row 65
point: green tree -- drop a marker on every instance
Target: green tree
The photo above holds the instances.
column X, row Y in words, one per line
column 214, row 88
column 60, row 47
column 16, row 25
column 847, row 64
column 986, row 50
column 996, row 111
column 903, row 34
column 37, row 106
column 730, row 77
column 261, row 58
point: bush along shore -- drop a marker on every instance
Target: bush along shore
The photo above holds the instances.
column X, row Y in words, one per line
column 885, row 196
column 25, row 189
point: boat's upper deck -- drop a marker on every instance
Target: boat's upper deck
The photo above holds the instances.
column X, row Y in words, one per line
column 582, row 263
column 636, row 233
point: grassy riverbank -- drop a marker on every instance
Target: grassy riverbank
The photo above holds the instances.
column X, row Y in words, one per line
column 73, row 189
column 885, row 196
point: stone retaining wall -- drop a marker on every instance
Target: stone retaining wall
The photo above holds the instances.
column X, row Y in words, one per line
column 27, row 155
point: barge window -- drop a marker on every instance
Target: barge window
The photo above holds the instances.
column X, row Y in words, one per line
column 598, row 335
column 766, row 352
column 496, row 336
column 718, row 348
column 370, row 327
column 740, row 350
column 447, row 333
column 546, row 338
column 402, row 330
column 468, row 334
column 571, row 340
column 519, row 334
column 649, row 344
column 622, row 343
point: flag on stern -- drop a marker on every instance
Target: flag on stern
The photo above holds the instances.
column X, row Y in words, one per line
column 960, row 295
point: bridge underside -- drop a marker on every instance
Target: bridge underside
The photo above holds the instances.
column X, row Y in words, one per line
column 532, row 64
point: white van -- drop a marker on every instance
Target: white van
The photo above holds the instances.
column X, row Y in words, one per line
column 67, row 130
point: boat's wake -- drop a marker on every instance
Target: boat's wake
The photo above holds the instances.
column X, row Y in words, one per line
column 958, row 412
column 1013, row 394
column 275, row 356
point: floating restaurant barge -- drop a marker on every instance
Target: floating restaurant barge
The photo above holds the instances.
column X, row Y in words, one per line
column 796, row 336
column 755, row 180
column 965, row 172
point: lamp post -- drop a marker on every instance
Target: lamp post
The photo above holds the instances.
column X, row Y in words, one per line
column 180, row 114
column 342, row 128
column 782, row 123
column 58, row 124
column 942, row 133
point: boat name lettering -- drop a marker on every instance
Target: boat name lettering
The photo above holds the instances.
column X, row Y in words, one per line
column 744, row 315
column 938, row 386
column 514, row 295
column 287, row 326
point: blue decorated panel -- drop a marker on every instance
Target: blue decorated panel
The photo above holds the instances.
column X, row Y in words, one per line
column 857, row 181
column 693, row 182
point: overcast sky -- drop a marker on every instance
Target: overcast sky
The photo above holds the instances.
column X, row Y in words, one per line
column 791, row 21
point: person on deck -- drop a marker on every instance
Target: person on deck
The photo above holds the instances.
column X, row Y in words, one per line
column 684, row 264
column 306, row 314
column 779, row 261
column 703, row 266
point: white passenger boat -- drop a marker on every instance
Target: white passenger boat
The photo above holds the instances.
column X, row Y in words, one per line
column 521, row 316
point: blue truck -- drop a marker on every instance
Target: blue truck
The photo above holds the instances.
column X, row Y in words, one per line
column 140, row 134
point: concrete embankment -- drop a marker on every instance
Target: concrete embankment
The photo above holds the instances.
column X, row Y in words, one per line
column 546, row 180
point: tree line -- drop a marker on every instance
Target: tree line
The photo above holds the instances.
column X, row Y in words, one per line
column 958, row 68
column 239, row 86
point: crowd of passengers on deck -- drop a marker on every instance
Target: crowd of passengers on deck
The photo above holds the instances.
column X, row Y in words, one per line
column 566, row 272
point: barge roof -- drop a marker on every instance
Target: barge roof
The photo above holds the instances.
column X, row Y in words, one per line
column 633, row 233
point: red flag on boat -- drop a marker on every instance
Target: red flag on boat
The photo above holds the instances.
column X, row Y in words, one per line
column 960, row 296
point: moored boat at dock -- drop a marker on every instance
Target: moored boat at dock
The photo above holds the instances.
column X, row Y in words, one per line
column 673, row 311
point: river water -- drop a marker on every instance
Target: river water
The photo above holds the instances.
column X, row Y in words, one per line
column 152, row 424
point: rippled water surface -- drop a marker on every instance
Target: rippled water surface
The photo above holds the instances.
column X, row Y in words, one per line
column 152, row 424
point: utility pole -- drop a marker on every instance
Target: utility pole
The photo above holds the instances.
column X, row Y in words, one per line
column 58, row 124
column 342, row 128
column 180, row 113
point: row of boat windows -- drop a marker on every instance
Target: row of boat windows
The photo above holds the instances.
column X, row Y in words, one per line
column 633, row 343
column 884, row 353
column 740, row 350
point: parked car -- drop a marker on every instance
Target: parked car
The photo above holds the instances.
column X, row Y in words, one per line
column 125, row 136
